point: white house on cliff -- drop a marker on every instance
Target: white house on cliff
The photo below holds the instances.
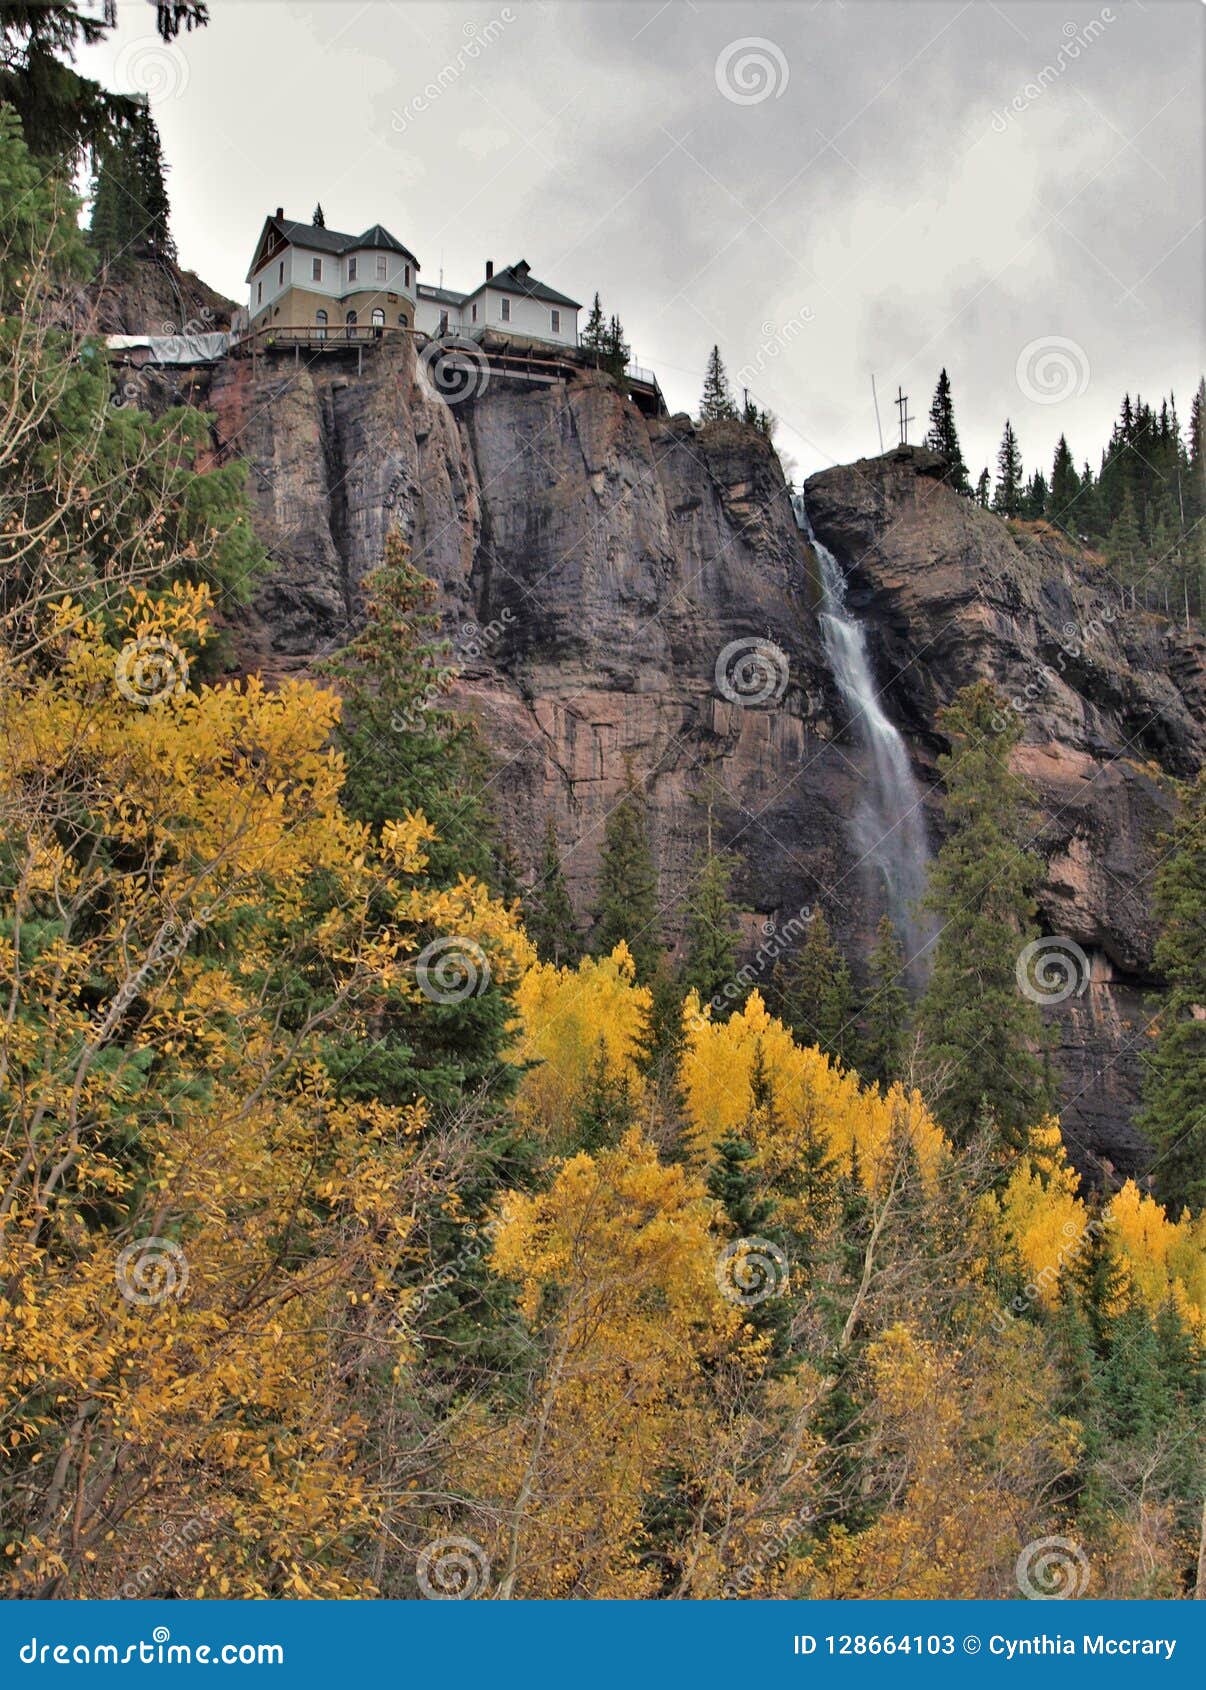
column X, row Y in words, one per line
column 306, row 276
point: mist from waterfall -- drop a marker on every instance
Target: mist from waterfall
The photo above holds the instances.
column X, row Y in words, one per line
column 889, row 824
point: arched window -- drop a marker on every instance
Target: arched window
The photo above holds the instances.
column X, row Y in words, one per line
column 403, row 320
column 321, row 320
column 350, row 320
column 378, row 321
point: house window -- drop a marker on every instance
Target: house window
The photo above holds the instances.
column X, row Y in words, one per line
column 280, row 273
column 475, row 313
column 382, row 270
column 350, row 321
column 403, row 320
column 351, row 269
column 556, row 316
column 443, row 322
column 506, row 310
column 321, row 320
column 408, row 275
column 259, row 293
column 378, row 322
column 316, row 269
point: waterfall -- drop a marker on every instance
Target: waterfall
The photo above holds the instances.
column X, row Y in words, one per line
column 888, row 824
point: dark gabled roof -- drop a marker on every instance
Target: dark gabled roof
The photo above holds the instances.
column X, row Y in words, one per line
column 517, row 278
column 441, row 296
column 314, row 239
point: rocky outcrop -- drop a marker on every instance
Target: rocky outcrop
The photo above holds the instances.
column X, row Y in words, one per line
column 154, row 296
column 603, row 574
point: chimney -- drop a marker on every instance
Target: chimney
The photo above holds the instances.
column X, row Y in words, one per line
column 280, row 211
column 489, row 269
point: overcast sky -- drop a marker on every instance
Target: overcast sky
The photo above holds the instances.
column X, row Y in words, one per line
column 826, row 189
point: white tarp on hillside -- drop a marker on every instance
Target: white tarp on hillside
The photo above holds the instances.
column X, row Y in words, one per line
column 171, row 349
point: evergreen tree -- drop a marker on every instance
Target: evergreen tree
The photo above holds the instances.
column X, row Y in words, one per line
column 594, row 335
column 984, row 489
column 1174, row 1118
column 318, row 221
column 626, row 906
column 130, row 207
column 1034, row 499
column 982, row 1035
column 887, row 1010
column 716, row 405
column 943, row 436
column 616, row 351
column 753, row 417
column 1065, row 488
column 547, row 911
column 816, row 993
column 1007, row 500
column 606, row 1109
column 712, row 932
column 1124, row 547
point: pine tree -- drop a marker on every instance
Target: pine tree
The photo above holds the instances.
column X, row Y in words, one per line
column 1124, row 547
column 626, row 905
column 984, row 489
column 716, row 405
column 1175, row 1074
column 606, row 1109
column 547, row 911
column 1065, row 489
column 318, row 221
column 130, row 207
column 887, row 1010
column 594, row 334
column 753, row 417
column 816, row 993
column 982, row 1035
column 943, row 436
column 712, row 932
column 616, row 351
column 1007, row 500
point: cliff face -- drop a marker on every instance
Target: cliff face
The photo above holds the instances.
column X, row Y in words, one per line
column 594, row 567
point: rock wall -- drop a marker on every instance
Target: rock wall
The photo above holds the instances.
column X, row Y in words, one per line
column 594, row 565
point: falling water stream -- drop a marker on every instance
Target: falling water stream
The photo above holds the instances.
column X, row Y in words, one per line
column 888, row 824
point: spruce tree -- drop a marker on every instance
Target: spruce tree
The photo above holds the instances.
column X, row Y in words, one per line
column 1065, row 488
column 984, row 489
column 615, row 351
column 1174, row 1114
column 318, row 221
column 716, row 404
column 594, row 335
column 816, row 994
column 548, row 914
column 887, row 1010
column 943, row 436
column 712, row 932
column 130, row 208
column 1007, row 500
column 606, row 1109
column 981, row 1034
column 626, row 905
